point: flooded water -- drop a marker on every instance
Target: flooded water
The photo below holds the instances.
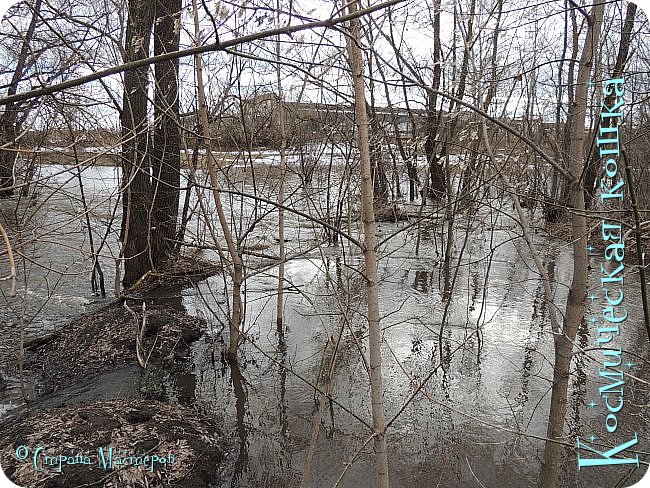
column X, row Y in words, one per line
column 475, row 333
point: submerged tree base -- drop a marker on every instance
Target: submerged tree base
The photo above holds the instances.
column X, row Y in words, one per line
column 385, row 212
column 135, row 439
column 175, row 271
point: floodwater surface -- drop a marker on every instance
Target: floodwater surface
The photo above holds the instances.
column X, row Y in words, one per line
column 467, row 348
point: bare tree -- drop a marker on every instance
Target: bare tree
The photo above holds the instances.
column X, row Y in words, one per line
column 575, row 308
column 136, row 155
column 10, row 121
column 166, row 151
column 369, row 251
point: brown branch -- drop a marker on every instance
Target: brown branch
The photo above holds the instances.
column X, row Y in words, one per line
column 12, row 263
column 192, row 51
column 639, row 245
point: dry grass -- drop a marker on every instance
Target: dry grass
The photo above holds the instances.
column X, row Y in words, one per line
column 135, row 428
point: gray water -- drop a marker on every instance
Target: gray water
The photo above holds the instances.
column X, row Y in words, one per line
column 485, row 406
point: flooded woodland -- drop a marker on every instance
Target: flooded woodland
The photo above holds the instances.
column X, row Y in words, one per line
column 313, row 245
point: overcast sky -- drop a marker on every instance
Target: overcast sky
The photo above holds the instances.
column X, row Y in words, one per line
column 315, row 60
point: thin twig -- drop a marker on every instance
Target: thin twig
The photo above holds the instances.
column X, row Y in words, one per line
column 12, row 263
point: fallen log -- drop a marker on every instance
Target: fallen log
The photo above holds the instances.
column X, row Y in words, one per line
column 34, row 342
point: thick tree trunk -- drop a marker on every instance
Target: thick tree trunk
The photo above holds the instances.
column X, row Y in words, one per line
column 9, row 121
column 369, row 252
column 166, row 157
column 555, row 429
column 136, row 185
column 7, row 155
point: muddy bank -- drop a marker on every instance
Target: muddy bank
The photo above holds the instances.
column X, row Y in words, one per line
column 133, row 328
column 105, row 340
column 156, row 440
column 114, row 444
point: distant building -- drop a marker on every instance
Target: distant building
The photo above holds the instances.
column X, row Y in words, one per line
column 307, row 121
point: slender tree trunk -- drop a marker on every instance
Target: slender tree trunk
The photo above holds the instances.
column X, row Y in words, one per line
column 550, row 196
column 236, row 266
column 136, row 184
column 556, row 209
column 436, row 185
column 185, row 213
column 469, row 176
column 377, row 169
column 283, row 168
column 409, row 157
column 591, row 174
column 575, row 307
column 437, row 170
column 369, row 252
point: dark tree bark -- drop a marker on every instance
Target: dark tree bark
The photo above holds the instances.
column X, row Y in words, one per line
column 136, row 184
column 379, row 179
column 166, row 158
column 559, row 200
column 436, row 186
column 470, row 175
column 437, row 172
column 591, row 173
column 407, row 156
column 9, row 122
